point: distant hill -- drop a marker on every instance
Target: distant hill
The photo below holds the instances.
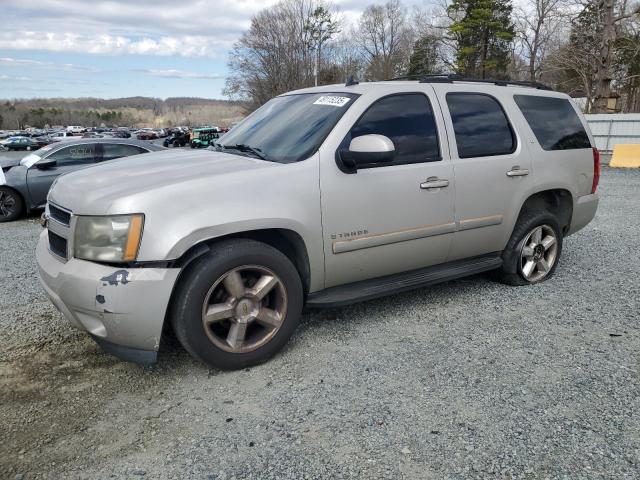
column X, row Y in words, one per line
column 130, row 111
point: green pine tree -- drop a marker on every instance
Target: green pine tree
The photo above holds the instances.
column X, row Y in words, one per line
column 423, row 60
column 483, row 31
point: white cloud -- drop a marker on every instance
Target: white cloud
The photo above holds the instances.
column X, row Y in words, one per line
column 9, row 78
column 188, row 28
column 172, row 73
column 187, row 46
column 23, row 62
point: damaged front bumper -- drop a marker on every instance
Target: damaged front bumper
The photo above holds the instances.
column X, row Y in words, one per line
column 122, row 309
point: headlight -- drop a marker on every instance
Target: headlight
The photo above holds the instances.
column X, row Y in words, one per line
column 108, row 239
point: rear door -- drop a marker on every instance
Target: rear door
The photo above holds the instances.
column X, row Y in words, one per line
column 67, row 160
column 492, row 166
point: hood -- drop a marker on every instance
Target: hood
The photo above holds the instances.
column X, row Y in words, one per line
column 93, row 190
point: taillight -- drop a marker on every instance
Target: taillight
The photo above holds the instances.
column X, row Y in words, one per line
column 596, row 170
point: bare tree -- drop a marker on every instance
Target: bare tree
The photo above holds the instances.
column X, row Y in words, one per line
column 321, row 27
column 613, row 13
column 275, row 55
column 538, row 23
column 384, row 36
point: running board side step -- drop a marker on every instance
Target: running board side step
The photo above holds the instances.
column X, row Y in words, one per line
column 401, row 282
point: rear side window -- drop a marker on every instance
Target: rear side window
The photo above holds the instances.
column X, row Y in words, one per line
column 118, row 150
column 480, row 125
column 407, row 120
column 554, row 122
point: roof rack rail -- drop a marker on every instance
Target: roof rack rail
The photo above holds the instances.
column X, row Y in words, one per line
column 455, row 77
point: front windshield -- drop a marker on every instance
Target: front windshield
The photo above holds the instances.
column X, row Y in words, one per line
column 290, row 128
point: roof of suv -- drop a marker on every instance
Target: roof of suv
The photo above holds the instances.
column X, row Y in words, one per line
column 475, row 85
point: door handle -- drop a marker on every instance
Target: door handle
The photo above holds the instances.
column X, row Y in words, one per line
column 517, row 172
column 434, row 182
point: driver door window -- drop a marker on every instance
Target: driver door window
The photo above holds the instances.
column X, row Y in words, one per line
column 82, row 154
column 408, row 121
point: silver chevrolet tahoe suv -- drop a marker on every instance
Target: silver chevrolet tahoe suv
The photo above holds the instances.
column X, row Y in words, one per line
column 322, row 197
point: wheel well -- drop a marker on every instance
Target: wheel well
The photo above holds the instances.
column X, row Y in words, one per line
column 557, row 201
column 286, row 241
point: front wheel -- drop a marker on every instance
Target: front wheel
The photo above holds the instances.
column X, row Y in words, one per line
column 11, row 205
column 238, row 305
column 533, row 252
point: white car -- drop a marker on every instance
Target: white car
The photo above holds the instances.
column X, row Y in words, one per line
column 75, row 129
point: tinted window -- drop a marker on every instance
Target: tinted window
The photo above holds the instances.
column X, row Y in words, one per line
column 407, row 120
column 554, row 122
column 480, row 125
column 74, row 155
column 114, row 150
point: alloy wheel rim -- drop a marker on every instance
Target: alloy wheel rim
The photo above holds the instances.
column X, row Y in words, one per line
column 7, row 204
column 244, row 309
column 538, row 253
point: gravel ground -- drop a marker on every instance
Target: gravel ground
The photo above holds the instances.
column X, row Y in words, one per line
column 469, row 379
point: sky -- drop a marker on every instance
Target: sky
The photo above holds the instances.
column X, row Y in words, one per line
column 121, row 48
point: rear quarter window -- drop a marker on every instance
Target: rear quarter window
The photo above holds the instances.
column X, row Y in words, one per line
column 480, row 125
column 554, row 122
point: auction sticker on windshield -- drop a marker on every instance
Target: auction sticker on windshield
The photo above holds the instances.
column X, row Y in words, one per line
column 332, row 100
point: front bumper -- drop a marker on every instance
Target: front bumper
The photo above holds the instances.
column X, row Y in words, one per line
column 122, row 309
column 583, row 212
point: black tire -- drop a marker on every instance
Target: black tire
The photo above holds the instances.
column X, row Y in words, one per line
column 195, row 284
column 11, row 205
column 511, row 271
column 176, row 144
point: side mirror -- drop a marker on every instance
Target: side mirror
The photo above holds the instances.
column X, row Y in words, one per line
column 366, row 151
column 44, row 164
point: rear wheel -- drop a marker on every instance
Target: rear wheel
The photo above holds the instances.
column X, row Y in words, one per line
column 11, row 205
column 238, row 305
column 533, row 252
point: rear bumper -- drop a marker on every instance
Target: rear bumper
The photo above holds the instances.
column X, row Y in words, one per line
column 583, row 212
column 122, row 309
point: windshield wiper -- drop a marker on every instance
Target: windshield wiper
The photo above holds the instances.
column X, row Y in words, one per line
column 241, row 147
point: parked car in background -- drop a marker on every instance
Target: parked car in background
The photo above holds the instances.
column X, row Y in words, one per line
column 62, row 134
column 121, row 133
column 146, row 134
column 20, row 143
column 24, row 184
column 203, row 137
column 75, row 129
column 177, row 138
column 45, row 140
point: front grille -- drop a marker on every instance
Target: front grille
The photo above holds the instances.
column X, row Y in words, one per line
column 57, row 245
column 60, row 215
